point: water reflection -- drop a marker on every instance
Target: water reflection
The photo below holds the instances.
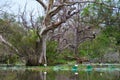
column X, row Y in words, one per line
column 60, row 75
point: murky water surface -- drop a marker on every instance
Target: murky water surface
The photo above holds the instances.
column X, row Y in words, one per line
column 59, row 75
column 23, row 74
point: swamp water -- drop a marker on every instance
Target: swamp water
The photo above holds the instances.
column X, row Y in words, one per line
column 11, row 73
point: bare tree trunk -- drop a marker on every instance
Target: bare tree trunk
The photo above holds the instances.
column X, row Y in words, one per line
column 76, row 42
column 43, row 53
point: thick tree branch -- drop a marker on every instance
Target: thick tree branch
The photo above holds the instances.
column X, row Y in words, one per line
column 50, row 4
column 81, row 41
column 66, row 46
column 55, row 10
column 2, row 40
column 55, row 25
column 70, row 3
column 85, row 38
column 102, row 3
column 42, row 3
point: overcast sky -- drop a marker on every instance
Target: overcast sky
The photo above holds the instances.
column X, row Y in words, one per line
column 15, row 4
column 31, row 5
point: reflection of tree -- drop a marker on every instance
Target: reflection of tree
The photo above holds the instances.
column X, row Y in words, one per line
column 43, row 75
column 22, row 75
column 112, row 75
column 29, row 75
column 75, row 77
column 62, row 77
column 67, row 76
column 7, row 75
column 35, row 75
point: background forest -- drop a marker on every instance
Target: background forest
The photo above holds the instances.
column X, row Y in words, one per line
column 92, row 34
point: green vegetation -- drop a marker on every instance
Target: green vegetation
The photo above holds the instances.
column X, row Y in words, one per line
column 25, row 41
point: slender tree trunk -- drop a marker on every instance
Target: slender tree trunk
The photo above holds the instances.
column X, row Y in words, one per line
column 76, row 42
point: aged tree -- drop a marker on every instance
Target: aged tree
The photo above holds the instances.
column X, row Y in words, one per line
column 52, row 20
column 57, row 13
column 51, row 10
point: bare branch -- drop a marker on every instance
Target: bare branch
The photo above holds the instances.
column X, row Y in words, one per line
column 55, row 25
column 31, row 20
column 24, row 21
column 85, row 38
column 55, row 10
column 66, row 46
column 42, row 3
column 9, row 45
column 50, row 4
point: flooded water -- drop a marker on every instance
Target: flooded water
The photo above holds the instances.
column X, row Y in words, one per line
column 58, row 75
column 91, row 72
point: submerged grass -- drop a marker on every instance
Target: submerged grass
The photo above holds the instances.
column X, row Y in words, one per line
column 54, row 68
column 62, row 67
column 69, row 67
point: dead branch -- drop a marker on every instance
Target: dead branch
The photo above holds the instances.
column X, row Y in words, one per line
column 31, row 20
column 55, row 25
column 85, row 38
column 2, row 40
column 42, row 3
column 55, row 10
column 24, row 21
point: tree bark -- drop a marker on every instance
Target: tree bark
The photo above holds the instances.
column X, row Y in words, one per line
column 42, row 58
column 76, row 41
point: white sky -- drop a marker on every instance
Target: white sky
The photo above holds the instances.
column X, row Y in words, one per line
column 15, row 4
